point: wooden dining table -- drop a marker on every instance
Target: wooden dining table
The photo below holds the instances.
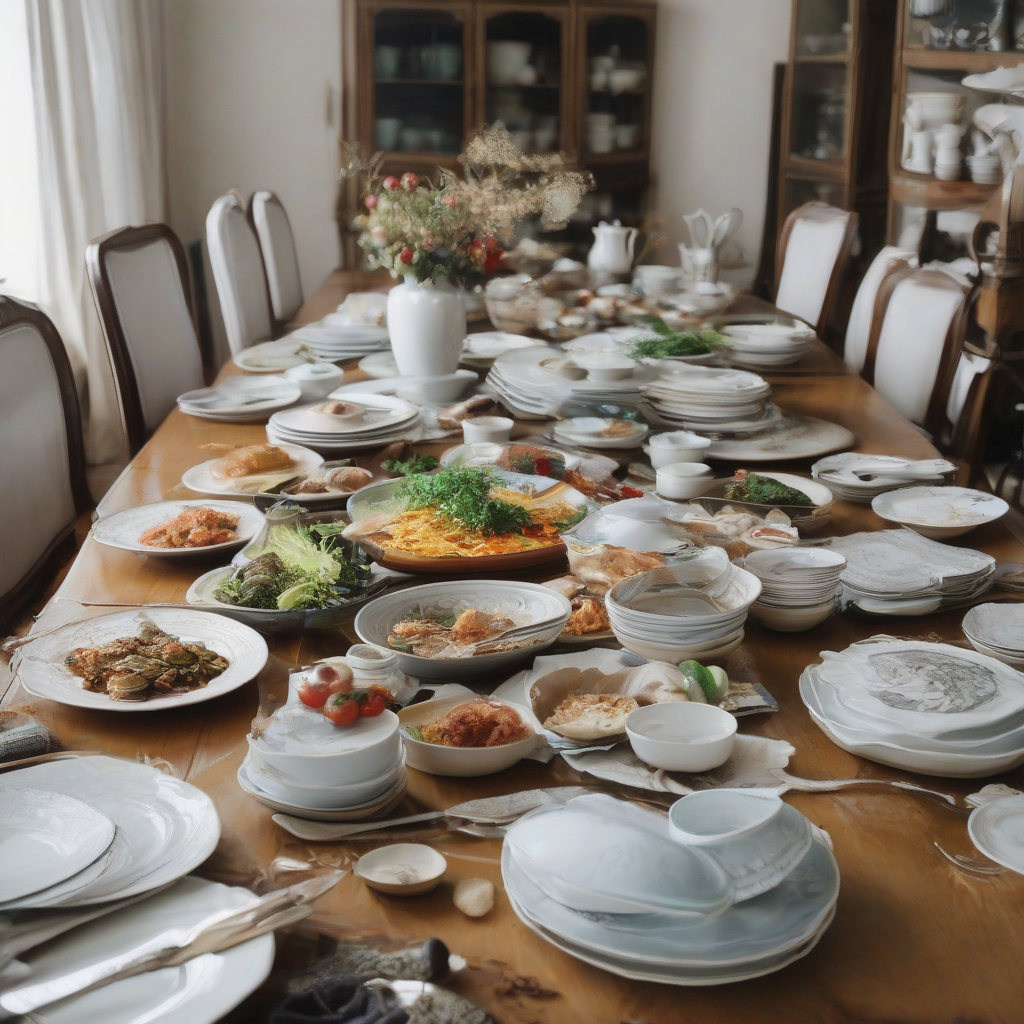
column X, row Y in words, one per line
column 917, row 938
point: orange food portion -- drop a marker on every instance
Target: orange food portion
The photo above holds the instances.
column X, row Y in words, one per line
column 483, row 723
column 193, row 528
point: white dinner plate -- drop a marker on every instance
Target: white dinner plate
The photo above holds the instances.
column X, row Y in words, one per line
column 997, row 829
column 274, row 356
column 201, row 479
column 240, row 398
column 378, row 414
column 165, row 827
column 939, row 512
column 795, row 437
column 41, row 669
column 123, row 529
column 200, row 991
column 46, row 838
column 379, row 364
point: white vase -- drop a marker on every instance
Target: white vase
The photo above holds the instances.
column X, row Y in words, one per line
column 427, row 324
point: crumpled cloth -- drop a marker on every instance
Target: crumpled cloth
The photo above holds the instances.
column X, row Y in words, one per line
column 345, row 1000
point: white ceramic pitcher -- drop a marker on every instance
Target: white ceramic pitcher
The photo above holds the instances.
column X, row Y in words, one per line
column 612, row 251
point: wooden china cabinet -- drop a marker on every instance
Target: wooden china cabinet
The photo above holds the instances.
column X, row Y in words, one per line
column 423, row 75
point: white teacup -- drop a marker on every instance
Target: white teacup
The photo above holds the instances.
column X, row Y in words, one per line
column 681, row 481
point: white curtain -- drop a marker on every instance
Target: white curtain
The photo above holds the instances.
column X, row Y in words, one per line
column 97, row 97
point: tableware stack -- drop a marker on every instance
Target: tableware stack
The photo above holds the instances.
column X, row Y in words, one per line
column 238, row 399
column 274, row 356
column 939, row 512
column 600, row 132
column 338, row 339
column 924, row 707
column 899, row 572
column 367, row 421
column 766, row 346
column 538, row 382
column 693, row 609
column 709, row 399
column 481, row 349
column 997, row 630
column 860, row 478
column 600, row 432
column 301, row 763
column 733, row 885
column 798, row 586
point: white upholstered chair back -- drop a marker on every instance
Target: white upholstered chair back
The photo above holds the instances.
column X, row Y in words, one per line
column 815, row 245
column 41, row 452
column 917, row 340
column 858, row 327
column 238, row 272
column 279, row 257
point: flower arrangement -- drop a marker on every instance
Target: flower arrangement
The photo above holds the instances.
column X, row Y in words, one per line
column 456, row 230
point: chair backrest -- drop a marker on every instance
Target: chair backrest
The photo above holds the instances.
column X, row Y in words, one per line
column 814, row 249
column 238, row 273
column 140, row 282
column 42, row 456
column 277, row 243
column 858, row 328
column 916, row 339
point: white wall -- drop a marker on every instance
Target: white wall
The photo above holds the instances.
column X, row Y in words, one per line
column 712, row 112
column 252, row 103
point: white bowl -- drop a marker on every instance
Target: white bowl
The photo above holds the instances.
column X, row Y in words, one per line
column 683, row 737
column 437, row 390
column 676, row 446
column 317, row 380
column 674, row 651
column 402, row 869
column 493, row 429
column 505, row 60
column 459, row 762
column 604, row 364
column 322, row 797
column 752, row 834
column 792, row 620
column 302, row 745
column 680, row 481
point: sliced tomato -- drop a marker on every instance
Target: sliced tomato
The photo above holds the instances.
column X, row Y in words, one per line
column 341, row 709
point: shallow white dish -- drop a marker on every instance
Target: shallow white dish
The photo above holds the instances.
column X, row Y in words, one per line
column 299, row 743
column 402, row 869
column 998, row 629
column 41, row 669
column 997, row 829
column 372, row 414
column 683, row 737
column 792, row 619
column 460, row 762
column 751, row 833
column 524, row 603
column 241, row 398
column 201, row 479
column 709, row 653
column 481, row 349
column 939, row 512
column 46, row 838
column 795, row 437
column 165, row 827
column 201, row 991
column 123, row 529
column 324, row 797
column 274, row 356
column 600, row 432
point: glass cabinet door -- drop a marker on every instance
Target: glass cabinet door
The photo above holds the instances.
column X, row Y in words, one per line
column 523, row 58
column 822, row 28
column 617, row 55
column 819, row 111
column 963, row 24
column 419, row 88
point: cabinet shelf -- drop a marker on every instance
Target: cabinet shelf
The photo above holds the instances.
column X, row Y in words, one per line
column 420, row 81
column 931, row 193
column 821, row 58
column 967, row 61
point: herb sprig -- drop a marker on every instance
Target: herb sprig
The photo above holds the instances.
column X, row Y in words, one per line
column 463, row 495
column 671, row 343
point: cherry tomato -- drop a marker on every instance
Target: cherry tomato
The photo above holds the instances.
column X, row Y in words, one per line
column 406, row 255
column 313, row 694
column 409, row 181
column 372, row 706
column 390, row 183
column 341, row 709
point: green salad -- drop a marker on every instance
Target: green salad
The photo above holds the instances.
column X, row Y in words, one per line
column 671, row 343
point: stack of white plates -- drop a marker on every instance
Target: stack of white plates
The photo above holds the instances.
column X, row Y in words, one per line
column 237, row 399
column 339, row 342
column 600, row 432
column 899, row 572
column 939, row 512
column 303, row 764
column 998, row 631
column 538, row 381
column 610, row 884
column 710, row 399
column 928, row 708
column 480, row 350
column 693, row 609
column 858, row 477
column 374, row 421
column 767, row 345
column 274, row 356
column 798, row 586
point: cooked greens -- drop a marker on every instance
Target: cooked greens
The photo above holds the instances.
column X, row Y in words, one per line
column 463, row 495
column 416, row 463
column 763, row 490
column 296, row 567
column 671, row 343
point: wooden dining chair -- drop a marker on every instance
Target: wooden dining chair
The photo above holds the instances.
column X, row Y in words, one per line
column 238, row 273
column 140, row 283
column 858, row 327
column 280, row 260
column 42, row 455
column 916, row 340
column 815, row 246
